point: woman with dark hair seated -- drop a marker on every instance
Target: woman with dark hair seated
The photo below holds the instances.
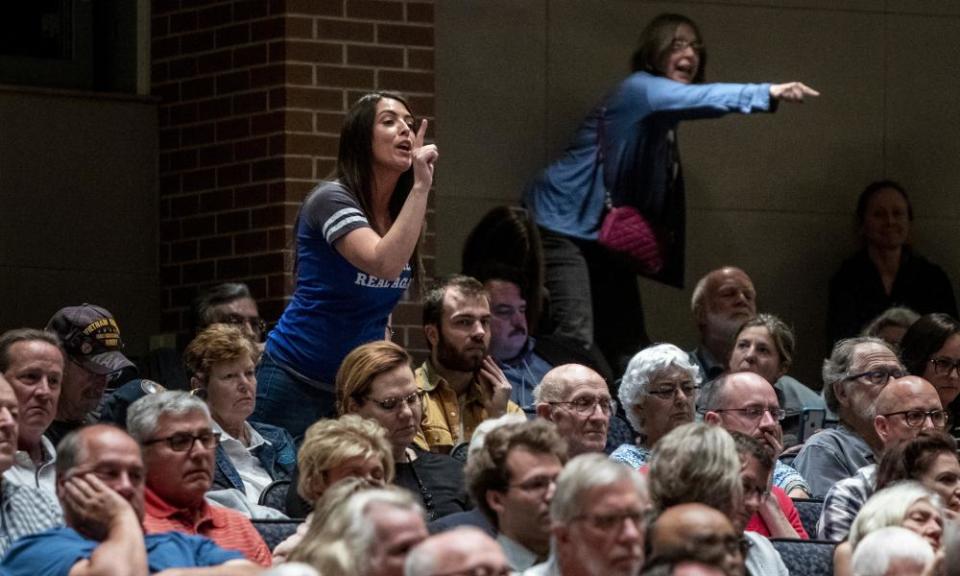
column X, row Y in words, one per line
column 931, row 349
column 931, row 459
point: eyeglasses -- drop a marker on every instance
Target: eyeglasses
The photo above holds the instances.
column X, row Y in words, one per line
column 679, row 45
column 670, row 392
column 880, row 376
column 943, row 366
column 182, row 442
column 610, row 522
column 587, row 404
column 536, row 485
column 255, row 323
column 756, row 412
column 479, row 571
column 413, row 400
column 916, row 418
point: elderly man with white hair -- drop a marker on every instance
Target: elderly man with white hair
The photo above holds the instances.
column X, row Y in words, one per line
column 465, row 550
column 658, row 393
column 577, row 400
column 893, row 551
column 597, row 520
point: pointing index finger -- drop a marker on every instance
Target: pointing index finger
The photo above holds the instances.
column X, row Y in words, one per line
column 421, row 132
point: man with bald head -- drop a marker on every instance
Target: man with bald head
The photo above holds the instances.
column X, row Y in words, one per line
column 697, row 532
column 856, row 372
column 465, row 550
column 904, row 407
column 722, row 301
column 577, row 400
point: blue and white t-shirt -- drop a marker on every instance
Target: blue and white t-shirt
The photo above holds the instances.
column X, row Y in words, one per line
column 335, row 307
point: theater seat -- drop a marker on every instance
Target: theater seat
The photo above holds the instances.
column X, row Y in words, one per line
column 806, row 557
column 809, row 511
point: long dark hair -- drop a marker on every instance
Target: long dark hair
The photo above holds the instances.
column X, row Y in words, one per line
column 910, row 459
column 656, row 42
column 924, row 338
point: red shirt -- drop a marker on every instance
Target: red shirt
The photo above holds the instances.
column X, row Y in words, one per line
column 756, row 523
column 228, row 528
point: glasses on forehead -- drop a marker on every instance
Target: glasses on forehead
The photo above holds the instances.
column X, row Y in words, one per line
column 916, row 418
column 879, row 376
column 182, row 441
column 587, row 404
column 413, row 400
column 756, row 412
column 943, row 366
column 667, row 392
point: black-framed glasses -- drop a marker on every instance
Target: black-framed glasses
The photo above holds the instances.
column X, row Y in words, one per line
column 256, row 324
column 916, row 418
column 183, row 441
column 536, row 485
column 587, row 404
column 667, row 392
column 942, row 366
column 878, row 377
column 611, row 522
column 413, row 400
column 756, row 412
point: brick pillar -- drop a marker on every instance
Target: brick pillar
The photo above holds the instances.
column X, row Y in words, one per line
column 252, row 96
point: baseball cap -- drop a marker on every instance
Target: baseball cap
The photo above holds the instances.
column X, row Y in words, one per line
column 90, row 336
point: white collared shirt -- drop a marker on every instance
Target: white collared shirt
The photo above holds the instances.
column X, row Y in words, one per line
column 25, row 472
column 254, row 476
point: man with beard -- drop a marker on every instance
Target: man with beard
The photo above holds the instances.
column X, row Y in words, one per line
column 744, row 402
column 32, row 362
column 853, row 377
column 463, row 384
column 175, row 433
column 722, row 301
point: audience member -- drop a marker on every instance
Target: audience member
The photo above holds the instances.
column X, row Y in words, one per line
column 699, row 463
column 658, row 393
column 177, row 437
column 745, row 402
column 332, row 500
column 512, row 479
column 91, row 339
column 906, row 504
column 100, row 483
column 463, row 550
column 891, row 325
column 597, row 520
column 356, row 247
column 375, row 381
column 229, row 303
column 931, row 459
column 931, row 349
column 578, row 402
column 463, row 384
column 696, row 532
column 904, row 407
column 892, row 551
column 32, row 363
column 722, row 301
column 765, row 345
column 250, row 455
column 773, row 513
column 853, row 376
column 367, row 534
column 23, row 509
column 886, row 271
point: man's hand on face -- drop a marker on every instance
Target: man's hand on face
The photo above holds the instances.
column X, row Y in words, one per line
column 774, row 439
column 496, row 388
column 94, row 505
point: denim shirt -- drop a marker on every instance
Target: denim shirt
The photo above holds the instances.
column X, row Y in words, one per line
column 278, row 456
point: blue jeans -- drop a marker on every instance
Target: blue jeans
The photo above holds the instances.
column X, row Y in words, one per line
column 287, row 401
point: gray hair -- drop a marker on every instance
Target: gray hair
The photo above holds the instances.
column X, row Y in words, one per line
column 488, row 426
column 888, row 507
column 422, row 559
column 696, row 462
column 899, row 316
column 205, row 304
column 586, row 472
column 880, row 548
column 143, row 415
column 838, row 366
column 645, row 367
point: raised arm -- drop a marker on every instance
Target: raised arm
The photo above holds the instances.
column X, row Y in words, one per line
column 97, row 508
column 386, row 256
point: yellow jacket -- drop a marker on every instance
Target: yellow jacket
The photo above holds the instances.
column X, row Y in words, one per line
column 443, row 426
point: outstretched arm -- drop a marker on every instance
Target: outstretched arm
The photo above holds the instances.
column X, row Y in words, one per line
column 386, row 256
column 791, row 92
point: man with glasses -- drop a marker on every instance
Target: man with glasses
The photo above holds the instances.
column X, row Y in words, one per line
column 100, row 477
column 853, row 377
column 175, row 433
column 745, row 402
column 904, row 407
column 697, row 532
column 598, row 520
column 91, row 339
column 512, row 478
column 577, row 400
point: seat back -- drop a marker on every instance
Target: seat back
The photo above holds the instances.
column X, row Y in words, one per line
column 809, row 511
column 806, row 557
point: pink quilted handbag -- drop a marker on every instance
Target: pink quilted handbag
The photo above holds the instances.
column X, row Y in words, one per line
column 626, row 231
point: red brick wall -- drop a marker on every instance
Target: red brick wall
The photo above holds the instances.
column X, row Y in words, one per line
column 252, row 95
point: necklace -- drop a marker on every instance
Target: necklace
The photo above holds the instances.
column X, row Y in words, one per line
column 426, row 496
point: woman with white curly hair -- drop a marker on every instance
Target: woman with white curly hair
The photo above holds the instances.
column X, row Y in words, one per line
column 658, row 392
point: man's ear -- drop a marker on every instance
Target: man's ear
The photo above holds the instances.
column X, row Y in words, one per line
column 544, row 411
column 495, row 501
column 882, row 426
column 432, row 333
column 712, row 417
column 840, row 391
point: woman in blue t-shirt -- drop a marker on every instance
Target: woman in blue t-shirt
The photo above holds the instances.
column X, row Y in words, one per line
column 355, row 239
